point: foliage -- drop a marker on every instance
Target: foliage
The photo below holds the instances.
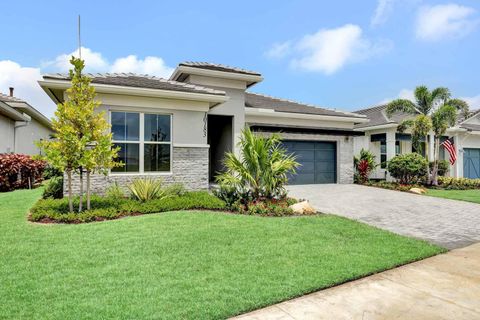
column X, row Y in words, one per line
column 18, row 171
column 229, row 194
column 145, row 189
column 364, row 165
column 391, row 185
column 458, row 183
column 53, row 188
column 114, row 191
column 267, row 207
column 261, row 169
column 443, row 167
column 107, row 208
column 50, row 172
column 408, row 168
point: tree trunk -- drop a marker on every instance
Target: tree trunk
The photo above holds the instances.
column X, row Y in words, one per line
column 436, row 154
column 69, row 181
column 427, row 142
column 88, row 189
column 80, row 200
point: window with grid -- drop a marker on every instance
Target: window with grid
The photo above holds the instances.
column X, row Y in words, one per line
column 144, row 140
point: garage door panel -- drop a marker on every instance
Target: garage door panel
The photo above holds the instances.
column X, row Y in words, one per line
column 471, row 163
column 318, row 161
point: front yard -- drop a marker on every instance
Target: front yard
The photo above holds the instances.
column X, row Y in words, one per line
column 463, row 195
column 195, row 265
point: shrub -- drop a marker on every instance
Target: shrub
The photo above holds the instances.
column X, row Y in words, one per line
column 51, row 172
column 19, row 171
column 364, row 165
column 266, row 207
column 408, row 168
column 229, row 194
column 54, row 188
column 458, row 183
column 443, row 167
column 114, row 191
column 391, row 185
column 145, row 189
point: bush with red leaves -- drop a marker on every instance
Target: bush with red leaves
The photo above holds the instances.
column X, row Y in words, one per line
column 19, row 171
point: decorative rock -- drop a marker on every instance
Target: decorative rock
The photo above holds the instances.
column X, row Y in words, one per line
column 418, row 191
column 303, row 207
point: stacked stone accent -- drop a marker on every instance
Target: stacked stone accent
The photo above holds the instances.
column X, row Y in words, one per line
column 189, row 167
column 345, row 168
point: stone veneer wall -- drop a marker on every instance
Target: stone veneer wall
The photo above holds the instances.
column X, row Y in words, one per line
column 345, row 169
column 189, row 166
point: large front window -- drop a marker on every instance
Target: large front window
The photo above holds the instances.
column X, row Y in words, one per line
column 144, row 140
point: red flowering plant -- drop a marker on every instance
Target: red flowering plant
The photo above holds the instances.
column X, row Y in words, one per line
column 19, row 171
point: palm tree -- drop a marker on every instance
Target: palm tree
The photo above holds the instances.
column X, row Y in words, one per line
column 262, row 168
column 434, row 111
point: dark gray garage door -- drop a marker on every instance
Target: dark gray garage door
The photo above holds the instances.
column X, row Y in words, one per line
column 318, row 161
column 471, row 163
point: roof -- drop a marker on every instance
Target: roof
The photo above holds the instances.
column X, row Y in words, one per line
column 471, row 114
column 22, row 107
column 259, row 101
column 140, row 81
column 7, row 98
column 470, row 127
column 217, row 67
column 378, row 116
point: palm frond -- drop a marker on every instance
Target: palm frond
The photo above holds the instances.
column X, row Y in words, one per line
column 441, row 94
column 460, row 105
column 401, row 106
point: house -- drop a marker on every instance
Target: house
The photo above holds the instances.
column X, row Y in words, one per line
column 21, row 125
column 179, row 129
column 384, row 141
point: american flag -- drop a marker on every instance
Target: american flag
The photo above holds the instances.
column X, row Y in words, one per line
column 450, row 147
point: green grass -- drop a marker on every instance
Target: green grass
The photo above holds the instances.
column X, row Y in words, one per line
column 179, row 265
column 463, row 195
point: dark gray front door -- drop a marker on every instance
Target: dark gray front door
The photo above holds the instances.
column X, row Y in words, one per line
column 318, row 161
column 471, row 163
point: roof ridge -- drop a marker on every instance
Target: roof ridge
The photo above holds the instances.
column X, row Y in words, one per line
column 306, row 104
column 220, row 65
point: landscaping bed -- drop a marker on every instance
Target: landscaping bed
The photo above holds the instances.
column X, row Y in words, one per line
column 181, row 265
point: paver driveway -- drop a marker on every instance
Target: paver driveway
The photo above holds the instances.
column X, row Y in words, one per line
column 448, row 223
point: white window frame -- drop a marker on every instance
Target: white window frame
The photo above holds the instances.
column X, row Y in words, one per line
column 141, row 142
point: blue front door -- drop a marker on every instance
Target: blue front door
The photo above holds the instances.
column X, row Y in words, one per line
column 471, row 163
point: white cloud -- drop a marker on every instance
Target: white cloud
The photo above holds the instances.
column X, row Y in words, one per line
column 439, row 22
column 382, row 12
column 473, row 102
column 150, row 65
column 24, row 80
column 403, row 94
column 279, row 50
column 329, row 50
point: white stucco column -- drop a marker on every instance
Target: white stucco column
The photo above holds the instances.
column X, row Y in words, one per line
column 431, row 148
column 390, row 135
column 458, row 166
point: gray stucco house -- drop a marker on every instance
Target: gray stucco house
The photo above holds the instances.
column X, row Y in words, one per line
column 21, row 125
column 180, row 128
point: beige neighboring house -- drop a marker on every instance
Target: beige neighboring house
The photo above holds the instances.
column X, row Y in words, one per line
column 21, row 125
column 385, row 142
column 180, row 128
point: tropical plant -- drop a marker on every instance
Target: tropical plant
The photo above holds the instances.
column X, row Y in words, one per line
column 146, row 189
column 433, row 111
column 114, row 191
column 262, row 167
column 364, row 165
column 408, row 168
column 443, row 167
column 53, row 188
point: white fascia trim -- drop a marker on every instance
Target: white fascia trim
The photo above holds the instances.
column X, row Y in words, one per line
column 259, row 112
column 144, row 92
column 456, row 130
column 190, row 145
column 250, row 78
column 381, row 126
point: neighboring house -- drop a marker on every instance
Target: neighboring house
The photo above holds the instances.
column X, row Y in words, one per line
column 384, row 141
column 179, row 129
column 21, row 125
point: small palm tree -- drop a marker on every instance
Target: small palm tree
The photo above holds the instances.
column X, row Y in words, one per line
column 434, row 111
column 262, row 168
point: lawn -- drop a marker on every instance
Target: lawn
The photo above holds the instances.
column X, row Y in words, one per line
column 180, row 265
column 463, row 195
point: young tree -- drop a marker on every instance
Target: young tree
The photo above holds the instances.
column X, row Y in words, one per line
column 434, row 111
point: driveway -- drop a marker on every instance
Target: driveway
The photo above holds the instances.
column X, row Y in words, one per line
column 443, row 287
column 448, row 223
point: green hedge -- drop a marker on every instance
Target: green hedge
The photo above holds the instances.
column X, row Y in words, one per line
column 458, row 183
column 104, row 208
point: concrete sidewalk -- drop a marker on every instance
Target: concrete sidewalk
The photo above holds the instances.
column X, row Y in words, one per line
column 443, row 287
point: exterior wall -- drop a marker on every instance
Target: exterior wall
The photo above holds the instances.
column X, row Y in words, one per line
column 189, row 167
column 463, row 141
column 345, row 168
column 7, row 129
column 26, row 136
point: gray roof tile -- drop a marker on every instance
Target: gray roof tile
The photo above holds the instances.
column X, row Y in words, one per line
column 255, row 100
column 140, row 81
column 7, row 98
column 378, row 116
column 217, row 67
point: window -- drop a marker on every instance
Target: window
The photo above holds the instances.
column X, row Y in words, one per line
column 398, row 147
column 383, row 154
column 144, row 140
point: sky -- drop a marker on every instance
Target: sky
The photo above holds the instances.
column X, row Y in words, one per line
column 338, row 54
